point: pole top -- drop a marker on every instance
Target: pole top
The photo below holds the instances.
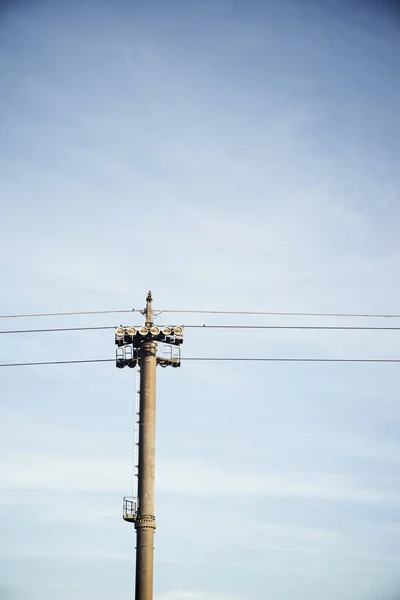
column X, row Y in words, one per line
column 149, row 310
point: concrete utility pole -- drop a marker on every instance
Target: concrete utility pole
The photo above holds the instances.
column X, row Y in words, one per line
column 139, row 346
column 145, row 521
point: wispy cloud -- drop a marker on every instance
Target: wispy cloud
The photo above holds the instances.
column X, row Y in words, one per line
column 200, row 479
column 61, row 472
column 191, row 478
column 195, row 595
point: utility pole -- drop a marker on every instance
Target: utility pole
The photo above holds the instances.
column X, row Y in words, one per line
column 145, row 521
column 139, row 346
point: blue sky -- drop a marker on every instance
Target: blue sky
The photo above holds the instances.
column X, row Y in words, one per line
column 237, row 155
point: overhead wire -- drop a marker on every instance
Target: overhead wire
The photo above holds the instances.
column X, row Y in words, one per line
column 327, row 327
column 217, row 359
column 208, row 312
column 279, row 314
column 284, row 359
column 67, row 314
column 205, row 326
column 57, row 362
column 57, row 329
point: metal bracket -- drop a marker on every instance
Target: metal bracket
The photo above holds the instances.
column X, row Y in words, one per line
column 126, row 356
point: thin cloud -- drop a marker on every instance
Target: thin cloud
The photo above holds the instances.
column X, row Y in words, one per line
column 195, row 595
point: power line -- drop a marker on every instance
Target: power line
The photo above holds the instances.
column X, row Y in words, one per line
column 208, row 312
column 204, row 326
column 278, row 314
column 57, row 362
column 338, row 327
column 217, row 359
column 56, row 329
column 280, row 359
column 66, row 314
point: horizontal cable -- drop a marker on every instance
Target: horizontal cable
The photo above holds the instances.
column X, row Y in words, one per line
column 217, row 359
column 338, row 327
column 56, row 329
column 203, row 312
column 312, row 327
column 67, row 314
column 255, row 359
column 278, row 314
column 57, row 362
